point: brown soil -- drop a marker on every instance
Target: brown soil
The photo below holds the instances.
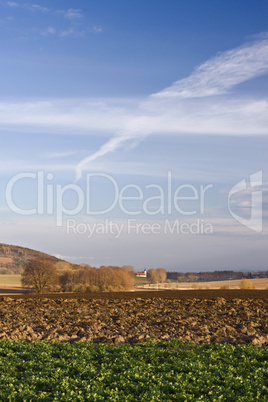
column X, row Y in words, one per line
column 198, row 316
column 10, row 290
column 148, row 294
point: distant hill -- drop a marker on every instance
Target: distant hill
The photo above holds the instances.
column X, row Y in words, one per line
column 14, row 258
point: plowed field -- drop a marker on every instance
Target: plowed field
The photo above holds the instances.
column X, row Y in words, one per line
column 202, row 316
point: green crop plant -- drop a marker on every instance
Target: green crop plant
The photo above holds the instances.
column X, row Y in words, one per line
column 164, row 371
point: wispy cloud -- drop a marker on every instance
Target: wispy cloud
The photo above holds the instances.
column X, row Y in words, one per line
column 96, row 29
column 12, row 4
column 74, row 27
column 36, row 7
column 73, row 14
column 72, row 33
column 48, row 31
column 215, row 77
column 219, row 74
column 29, row 6
column 62, row 154
column 110, row 146
column 14, row 166
column 72, row 258
column 70, row 115
column 127, row 122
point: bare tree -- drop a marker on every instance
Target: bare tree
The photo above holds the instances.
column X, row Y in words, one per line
column 158, row 275
column 129, row 269
column 161, row 274
column 89, row 279
column 39, row 273
column 152, row 275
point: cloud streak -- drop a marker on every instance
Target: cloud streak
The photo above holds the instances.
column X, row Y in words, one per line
column 210, row 116
column 112, row 145
column 215, row 77
column 219, row 74
column 199, row 104
column 31, row 7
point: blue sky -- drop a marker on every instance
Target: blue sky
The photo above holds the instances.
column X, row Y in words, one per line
column 103, row 100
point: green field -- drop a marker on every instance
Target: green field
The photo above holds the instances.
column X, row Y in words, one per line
column 10, row 280
column 141, row 281
column 166, row 371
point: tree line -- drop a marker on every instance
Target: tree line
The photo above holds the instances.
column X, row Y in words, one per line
column 208, row 276
column 42, row 275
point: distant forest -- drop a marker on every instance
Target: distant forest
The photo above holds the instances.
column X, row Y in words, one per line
column 214, row 276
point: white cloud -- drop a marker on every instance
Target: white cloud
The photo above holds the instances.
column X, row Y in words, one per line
column 72, row 258
column 14, row 166
column 108, row 147
column 75, row 17
column 96, row 29
column 71, row 116
column 72, row 33
column 128, row 121
column 36, row 7
column 12, row 4
column 48, row 31
column 217, row 75
column 57, row 155
column 196, row 117
column 32, row 7
column 73, row 14
column 212, row 78
column 75, row 33
column 127, row 124
column 125, row 119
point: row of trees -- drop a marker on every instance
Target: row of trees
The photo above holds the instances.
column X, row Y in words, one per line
column 42, row 274
column 88, row 279
column 208, row 276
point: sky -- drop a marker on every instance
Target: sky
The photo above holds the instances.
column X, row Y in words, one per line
column 135, row 133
